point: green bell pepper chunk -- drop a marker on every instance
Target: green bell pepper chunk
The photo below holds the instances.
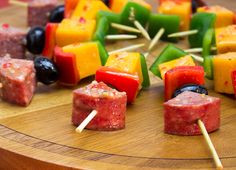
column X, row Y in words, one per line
column 111, row 17
column 101, row 30
column 169, row 53
column 170, row 23
column 208, row 67
column 141, row 14
column 208, row 41
column 146, row 79
column 201, row 22
column 102, row 52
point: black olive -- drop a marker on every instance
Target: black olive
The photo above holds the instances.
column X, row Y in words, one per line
column 57, row 14
column 35, row 40
column 106, row 2
column 46, row 70
column 191, row 87
column 196, row 4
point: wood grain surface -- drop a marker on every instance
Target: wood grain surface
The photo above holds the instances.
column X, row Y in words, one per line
column 41, row 136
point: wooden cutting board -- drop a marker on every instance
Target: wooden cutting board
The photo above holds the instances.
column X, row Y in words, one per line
column 41, row 136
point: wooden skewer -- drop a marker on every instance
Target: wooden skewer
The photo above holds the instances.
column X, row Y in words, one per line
column 125, row 28
column 121, row 37
column 197, row 58
column 137, row 24
column 146, row 54
column 18, row 3
column 156, row 39
column 183, row 34
column 0, row 85
column 218, row 163
column 132, row 47
column 86, row 121
column 142, row 30
column 197, row 50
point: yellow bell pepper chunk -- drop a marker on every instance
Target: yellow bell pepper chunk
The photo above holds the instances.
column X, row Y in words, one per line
column 226, row 39
column 224, row 17
column 181, row 9
column 127, row 62
column 183, row 61
column 87, row 57
column 88, row 9
column 117, row 5
column 223, row 65
column 73, row 31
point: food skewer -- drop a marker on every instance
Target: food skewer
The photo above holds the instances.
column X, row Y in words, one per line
column 197, row 50
column 125, row 28
column 86, row 121
column 121, row 37
column 132, row 47
column 210, row 145
column 197, row 58
column 138, row 25
column 156, row 39
column 18, row 3
column 183, row 34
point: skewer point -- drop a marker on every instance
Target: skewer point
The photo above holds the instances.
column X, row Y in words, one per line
column 86, row 121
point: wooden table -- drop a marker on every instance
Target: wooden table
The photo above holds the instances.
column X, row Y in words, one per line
column 42, row 137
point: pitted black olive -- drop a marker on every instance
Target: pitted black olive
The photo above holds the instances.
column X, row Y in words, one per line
column 57, row 14
column 106, row 2
column 196, row 4
column 46, row 70
column 35, row 40
column 191, row 87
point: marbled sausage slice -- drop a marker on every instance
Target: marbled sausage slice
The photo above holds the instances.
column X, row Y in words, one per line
column 109, row 103
column 182, row 112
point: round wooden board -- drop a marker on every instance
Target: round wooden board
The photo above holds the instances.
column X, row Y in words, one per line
column 42, row 137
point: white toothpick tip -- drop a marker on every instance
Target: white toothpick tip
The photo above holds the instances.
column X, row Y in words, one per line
column 156, row 39
column 197, row 50
column 142, row 30
column 121, row 37
column 125, row 28
column 146, row 54
column 183, row 34
column 18, row 3
column 197, row 58
column 210, row 145
column 86, row 121
column 129, row 48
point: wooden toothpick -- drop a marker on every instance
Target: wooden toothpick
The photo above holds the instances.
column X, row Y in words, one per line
column 156, row 39
column 197, row 50
column 142, row 30
column 132, row 47
column 183, row 34
column 18, row 3
column 125, row 28
column 197, row 58
column 137, row 24
column 216, row 158
column 86, row 121
column 121, row 37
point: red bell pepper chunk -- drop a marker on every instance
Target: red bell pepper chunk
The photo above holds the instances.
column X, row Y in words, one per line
column 182, row 75
column 66, row 63
column 122, row 81
column 70, row 5
column 233, row 75
column 50, row 40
